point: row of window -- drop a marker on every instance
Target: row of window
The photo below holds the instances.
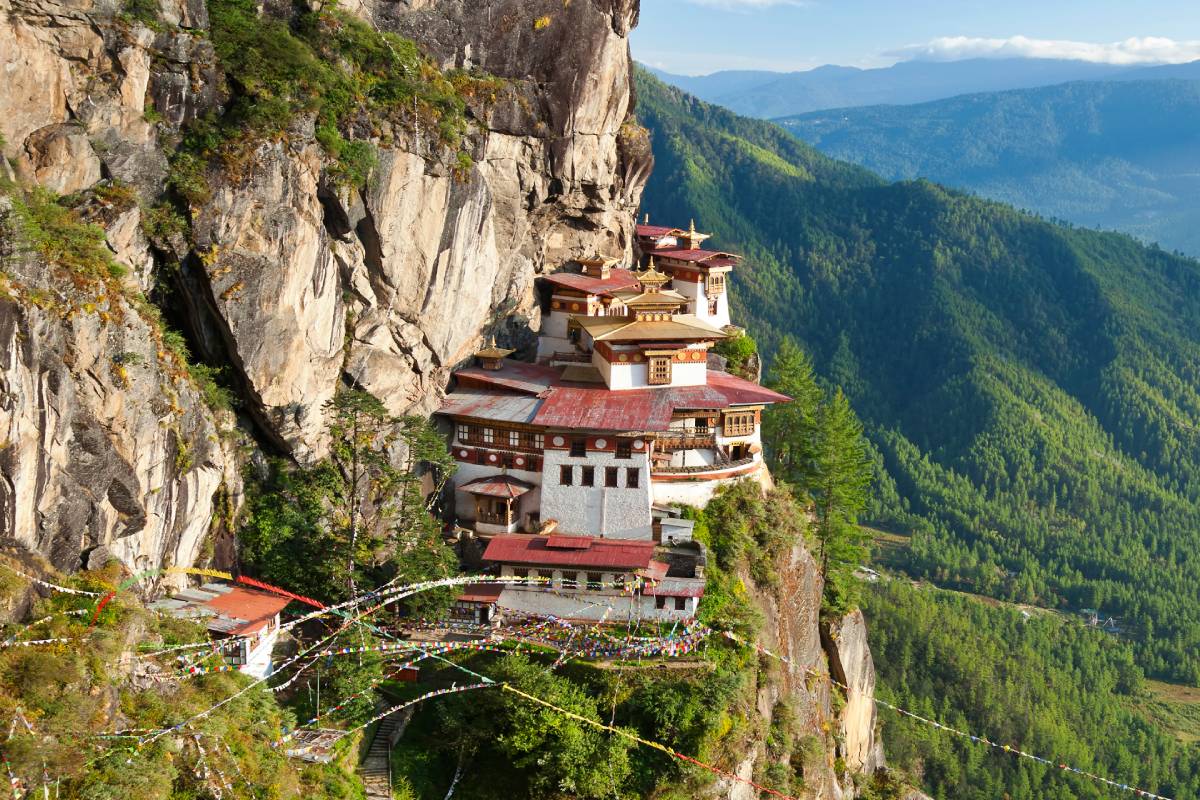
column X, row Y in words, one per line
column 612, row 476
column 570, row 580
column 501, row 437
column 594, row 582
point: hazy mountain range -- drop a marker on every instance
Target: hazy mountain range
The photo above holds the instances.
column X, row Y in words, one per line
column 778, row 94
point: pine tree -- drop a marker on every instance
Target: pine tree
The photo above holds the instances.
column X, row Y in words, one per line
column 789, row 429
column 841, row 479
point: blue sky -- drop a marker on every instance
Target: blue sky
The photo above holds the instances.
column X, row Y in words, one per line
column 700, row 36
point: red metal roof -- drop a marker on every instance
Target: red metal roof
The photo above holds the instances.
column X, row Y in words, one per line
column 497, row 486
column 481, row 592
column 702, row 258
column 567, row 542
column 515, row 375
column 657, row 570
column 593, row 406
column 655, row 231
column 619, row 554
column 254, row 607
column 617, row 279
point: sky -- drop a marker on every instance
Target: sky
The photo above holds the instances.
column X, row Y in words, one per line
column 695, row 37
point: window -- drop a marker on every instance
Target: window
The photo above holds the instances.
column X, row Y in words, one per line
column 660, row 370
column 712, row 307
column 633, row 476
column 595, row 580
column 569, row 580
column 716, row 283
column 489, row 435
column 739, row 423
column 464, row 432
column 578, row 448
column 701, row 426
column 610, row 477
column 539, row 441
column 588, row 476
column 523, row 574
column 514, row 439
column 624, row 449
column 680, row 603
column 660, row 602
column 566, row 475
column 547, row 577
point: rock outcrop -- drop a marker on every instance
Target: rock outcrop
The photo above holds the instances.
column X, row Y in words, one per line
column 845, row 642
column 298, row 284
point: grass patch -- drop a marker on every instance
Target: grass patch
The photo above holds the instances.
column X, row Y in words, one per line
column 334, row 67
column 1173, row 707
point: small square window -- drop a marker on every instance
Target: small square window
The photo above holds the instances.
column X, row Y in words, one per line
column 611, row 477
column 633, row 477
column 566, row 475
column 547, row 577
column 588, row 476
column 660, row 602
column 569, row 580
column 595, row 580
column 624, row 449
column 464, row 433
column 578, row 448
column 660, row 370
column 489, row 435
column 680, row 603
column 514, row 439
column 539, row 441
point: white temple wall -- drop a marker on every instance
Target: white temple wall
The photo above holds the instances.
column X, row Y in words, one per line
column 620, row 513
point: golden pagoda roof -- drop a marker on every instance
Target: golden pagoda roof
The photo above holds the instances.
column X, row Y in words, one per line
column 492, row 351
column 619, row 329
column 651, row 277
column 663, row 297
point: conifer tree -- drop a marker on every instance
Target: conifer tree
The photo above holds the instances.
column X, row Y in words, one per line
column 841, row 477
column 789, row 429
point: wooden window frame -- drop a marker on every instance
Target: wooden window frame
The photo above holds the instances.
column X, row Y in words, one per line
column 566, row 475
column 612, row 477
column 739, row 423
column 624, row 449
column 579, row 448
column 633, row 478
column 595, row 581
column 659, row 370
column 587, row 476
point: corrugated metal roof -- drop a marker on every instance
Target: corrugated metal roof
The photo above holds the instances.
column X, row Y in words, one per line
column 700, row 257
column 491, row 405
column 617, row 279
column 655, row 231
column 515, row 375
column 593, row 406
column 599, row 553
column 497, row 486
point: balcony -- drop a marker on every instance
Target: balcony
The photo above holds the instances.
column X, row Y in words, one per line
column 670, row 443
column 504, row 519
column 571, row 357
column 718, row 471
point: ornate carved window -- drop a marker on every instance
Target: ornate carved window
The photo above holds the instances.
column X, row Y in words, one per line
column 660, row 370
column 739, row 423
column 715, row 284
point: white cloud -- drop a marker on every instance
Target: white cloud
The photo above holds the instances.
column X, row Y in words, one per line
column 1137, row 50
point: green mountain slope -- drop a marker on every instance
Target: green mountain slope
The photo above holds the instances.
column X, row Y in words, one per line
column 1033, row 390
column 1121, row 155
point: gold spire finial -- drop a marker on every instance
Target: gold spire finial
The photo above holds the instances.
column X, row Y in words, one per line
column 692, row 226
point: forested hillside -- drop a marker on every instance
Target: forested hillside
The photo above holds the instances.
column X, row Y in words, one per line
column 1033, row 390
column 1120, row 155
column 1049, row 686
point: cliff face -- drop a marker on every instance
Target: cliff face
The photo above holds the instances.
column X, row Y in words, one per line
column 798, row 696
column 295, row 282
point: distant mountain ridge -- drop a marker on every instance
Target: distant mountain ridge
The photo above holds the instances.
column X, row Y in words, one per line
column 1121, row 154
column 767, row 95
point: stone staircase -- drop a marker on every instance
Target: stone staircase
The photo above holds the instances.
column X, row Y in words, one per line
column 376, row 768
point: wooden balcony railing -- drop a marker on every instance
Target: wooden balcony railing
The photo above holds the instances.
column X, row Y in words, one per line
column 573, row 357
column 691, row 441
column 725, row 466
column 495, row 518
